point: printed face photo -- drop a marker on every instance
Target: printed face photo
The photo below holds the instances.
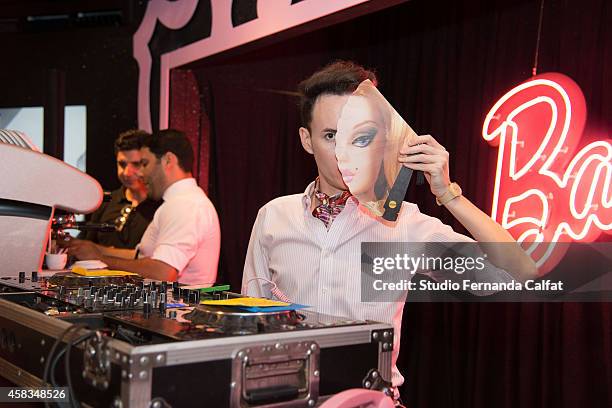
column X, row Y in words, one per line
column 360, row 146
column 368, row 138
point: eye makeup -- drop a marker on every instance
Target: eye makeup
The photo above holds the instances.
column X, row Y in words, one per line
column 364, row 138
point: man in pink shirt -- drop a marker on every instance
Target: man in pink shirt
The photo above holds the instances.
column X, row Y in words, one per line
column 308, row 245
column 182, row 242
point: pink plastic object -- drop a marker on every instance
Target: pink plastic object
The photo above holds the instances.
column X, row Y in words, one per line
column 359, row 398
column 30, row 179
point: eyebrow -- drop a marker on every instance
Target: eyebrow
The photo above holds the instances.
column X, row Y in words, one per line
column 365, row 122
column 129, row 161
column 327, row 130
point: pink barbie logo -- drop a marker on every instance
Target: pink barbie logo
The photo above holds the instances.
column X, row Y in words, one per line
column 548, row 189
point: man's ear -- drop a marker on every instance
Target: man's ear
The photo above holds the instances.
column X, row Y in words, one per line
column 169, row 158
column 306, row 140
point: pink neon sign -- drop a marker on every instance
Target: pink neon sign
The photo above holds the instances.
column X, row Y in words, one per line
column 548, row 189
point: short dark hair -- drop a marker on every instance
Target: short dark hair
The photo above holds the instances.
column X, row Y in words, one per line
column 174, row 141
column 129, row 140
column 337, row 78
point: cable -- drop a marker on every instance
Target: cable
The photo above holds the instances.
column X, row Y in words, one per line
column 125, row 336
column 54, row 347
column 52, row 351
column 74, row 401
column 534, row 70
column 59, row 355
column 275, row 290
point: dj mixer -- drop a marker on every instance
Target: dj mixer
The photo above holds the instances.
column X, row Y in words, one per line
column 128, row 342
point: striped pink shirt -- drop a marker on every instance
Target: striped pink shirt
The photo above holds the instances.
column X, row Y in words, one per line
column 315, row 266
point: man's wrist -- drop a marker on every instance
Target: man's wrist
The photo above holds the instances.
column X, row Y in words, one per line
column 104, row 259
column 439, row 194
column 452, row 191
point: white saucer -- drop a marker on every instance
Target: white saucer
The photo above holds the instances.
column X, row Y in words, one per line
column 91, row 264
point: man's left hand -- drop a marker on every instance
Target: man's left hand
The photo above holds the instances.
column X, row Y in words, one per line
column 424, row 153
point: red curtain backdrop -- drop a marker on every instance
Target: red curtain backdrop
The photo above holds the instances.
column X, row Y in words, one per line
column 186, row 115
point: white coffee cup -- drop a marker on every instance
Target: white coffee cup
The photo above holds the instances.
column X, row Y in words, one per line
column 56, row 261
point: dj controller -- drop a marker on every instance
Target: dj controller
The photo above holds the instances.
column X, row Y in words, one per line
column 127, row 342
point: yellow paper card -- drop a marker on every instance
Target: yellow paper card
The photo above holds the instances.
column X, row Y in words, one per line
column 246, row 301
column 100, row 272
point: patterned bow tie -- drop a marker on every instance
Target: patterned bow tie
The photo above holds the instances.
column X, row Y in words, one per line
column 330, row 207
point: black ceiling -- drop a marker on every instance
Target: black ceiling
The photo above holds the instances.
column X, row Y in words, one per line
column 61, row 15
